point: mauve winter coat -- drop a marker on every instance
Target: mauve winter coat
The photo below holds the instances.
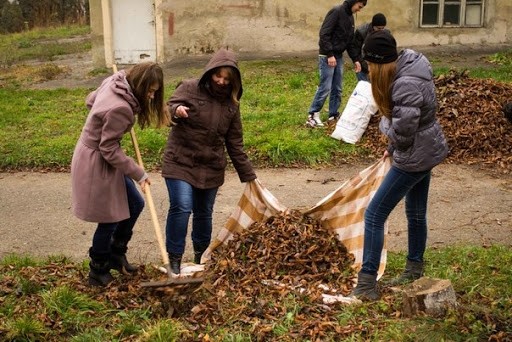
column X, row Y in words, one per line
column 99, row 164
column 417, row 142
column 196, row 146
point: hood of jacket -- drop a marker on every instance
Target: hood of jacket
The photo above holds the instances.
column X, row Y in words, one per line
column 118, row 84
column 348, row 6
column 414, row 64
column 221, row 58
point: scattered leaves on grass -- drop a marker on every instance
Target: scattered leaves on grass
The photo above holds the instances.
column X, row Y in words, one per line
column 33, row 73
column 263, row 284
column 471, row 114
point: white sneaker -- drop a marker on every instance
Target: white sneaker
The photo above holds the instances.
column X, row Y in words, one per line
column 332, row 120
column 316, row 117
column 310, row 122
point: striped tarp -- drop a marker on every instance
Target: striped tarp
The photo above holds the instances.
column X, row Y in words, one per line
column 342, row 211
column 256, row 205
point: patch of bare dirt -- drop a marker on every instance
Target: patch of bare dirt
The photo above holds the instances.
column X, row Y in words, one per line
column 77, row 68
column 466, row 205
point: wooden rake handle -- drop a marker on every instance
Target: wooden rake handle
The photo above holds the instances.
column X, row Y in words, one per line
column 151, row 204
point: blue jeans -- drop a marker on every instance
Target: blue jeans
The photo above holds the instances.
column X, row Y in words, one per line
column 330, row 85
column 397, row 184
column 185, row 200
column 120, row 231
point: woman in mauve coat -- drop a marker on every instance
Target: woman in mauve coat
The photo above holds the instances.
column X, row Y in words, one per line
column 207, row 116
column 102, row 175
column 403, row 88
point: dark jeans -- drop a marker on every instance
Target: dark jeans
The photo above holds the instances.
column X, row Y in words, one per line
column 119, row 231
column 331, row 80
column 397, row 184
column 185, row 200
column 361, row 76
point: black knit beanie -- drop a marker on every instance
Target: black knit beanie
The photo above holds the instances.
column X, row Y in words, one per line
column 379, row 19
column 380, row 47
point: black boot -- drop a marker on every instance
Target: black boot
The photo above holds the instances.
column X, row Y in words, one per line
column 99, row 273
column 199, row 249
column 118, row 259
column 175, row 260
column 366, row 288
column 413, row 270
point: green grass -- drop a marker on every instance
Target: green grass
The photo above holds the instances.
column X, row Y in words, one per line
column 42, row 44
column 57, row 306
column 499, row 69
column 501, row 73
column 39, row 128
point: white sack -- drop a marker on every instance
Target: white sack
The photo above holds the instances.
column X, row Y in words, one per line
column 356, row 115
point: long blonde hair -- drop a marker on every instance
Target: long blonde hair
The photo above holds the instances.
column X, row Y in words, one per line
column 381, row 78
column 141, row 78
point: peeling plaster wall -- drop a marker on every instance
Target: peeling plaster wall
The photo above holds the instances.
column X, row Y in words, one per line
column 289, row 26
column 403, row 21
column 244, row 25
column 196, row 26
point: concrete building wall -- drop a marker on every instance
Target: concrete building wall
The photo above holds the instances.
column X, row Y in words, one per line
column 404, row 21
column 243, row 25
column 197, row 27
column 98, row 49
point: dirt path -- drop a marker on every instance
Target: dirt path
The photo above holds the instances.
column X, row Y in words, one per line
column 466, row 206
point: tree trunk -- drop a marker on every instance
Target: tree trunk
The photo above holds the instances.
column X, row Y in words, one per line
column 430, row 296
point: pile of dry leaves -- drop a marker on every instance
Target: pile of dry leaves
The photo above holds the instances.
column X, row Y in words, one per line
column 274, row 273
column 273, row 268
column 471, row 113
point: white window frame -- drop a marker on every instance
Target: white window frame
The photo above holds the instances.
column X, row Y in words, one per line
column 462, row 14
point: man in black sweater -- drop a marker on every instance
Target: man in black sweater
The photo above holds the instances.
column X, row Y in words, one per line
column 336, row 36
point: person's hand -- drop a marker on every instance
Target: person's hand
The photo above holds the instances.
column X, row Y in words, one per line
column 181, row 111
column 331, row 61
column 143, row 184
column 357, row 67
column 386, row 154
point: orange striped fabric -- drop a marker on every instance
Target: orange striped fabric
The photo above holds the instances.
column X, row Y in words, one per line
column 342, row 211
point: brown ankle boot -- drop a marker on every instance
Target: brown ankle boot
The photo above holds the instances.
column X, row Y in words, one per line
column 366, row 288
column 413, row 270
column 118, row 259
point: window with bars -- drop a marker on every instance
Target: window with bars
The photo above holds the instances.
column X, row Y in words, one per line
column 452, row 13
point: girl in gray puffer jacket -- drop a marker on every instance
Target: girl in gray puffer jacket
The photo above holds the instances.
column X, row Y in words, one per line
column 403, row 88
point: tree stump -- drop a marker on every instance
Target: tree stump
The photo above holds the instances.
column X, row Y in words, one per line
column 430, row 296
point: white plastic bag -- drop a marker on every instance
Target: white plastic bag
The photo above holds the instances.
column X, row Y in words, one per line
column 356, row 115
